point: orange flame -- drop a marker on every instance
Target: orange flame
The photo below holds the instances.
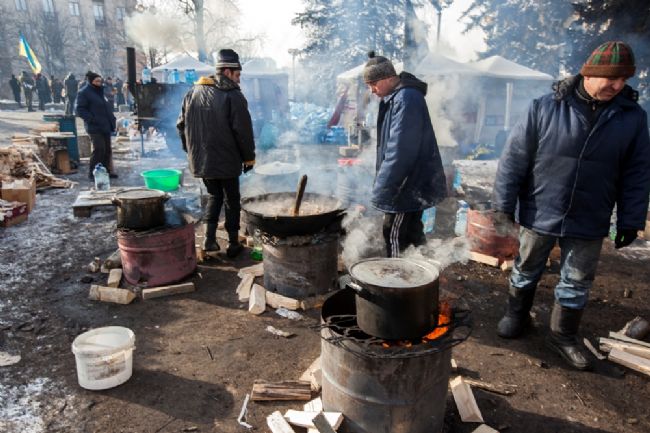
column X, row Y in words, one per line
column 444, row 319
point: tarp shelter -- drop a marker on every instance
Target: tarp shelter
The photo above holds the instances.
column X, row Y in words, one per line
column 183, row 63
column 437, row 64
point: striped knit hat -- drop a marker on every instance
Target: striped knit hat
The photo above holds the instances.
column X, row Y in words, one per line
column 610, row 60
column 228, row 58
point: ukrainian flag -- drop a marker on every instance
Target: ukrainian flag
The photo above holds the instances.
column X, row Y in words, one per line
column 25, row 50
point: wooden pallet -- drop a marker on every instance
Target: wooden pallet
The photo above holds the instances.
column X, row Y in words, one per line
column 87, row 200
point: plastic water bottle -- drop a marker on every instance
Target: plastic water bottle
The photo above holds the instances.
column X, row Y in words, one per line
column 461, row 218
column 256, row 252
column 176, row 77
column 429, row 220
column 102, row 181
column 457, row 183
column 190, row 76
column 146, row 75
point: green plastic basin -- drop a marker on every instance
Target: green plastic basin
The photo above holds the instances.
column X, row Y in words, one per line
column 164, row 179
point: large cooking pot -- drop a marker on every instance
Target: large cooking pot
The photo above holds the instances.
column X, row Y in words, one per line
column 396, row 299
column 140, row 209
column 272, row 213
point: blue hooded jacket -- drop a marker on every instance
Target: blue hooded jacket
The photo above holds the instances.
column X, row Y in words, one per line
column 95, row 110
column 565, row 177
column 409, row 169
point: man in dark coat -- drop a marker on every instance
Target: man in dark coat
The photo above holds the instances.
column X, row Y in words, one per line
column 15, row 88
column 99, row 121
column 217, row 134
column 27, row 83
column 577, row 153
column 109, row 92
column 43, row 90
column 409, row 177
column 119, row 96
column 57, row 89
column 71, row 85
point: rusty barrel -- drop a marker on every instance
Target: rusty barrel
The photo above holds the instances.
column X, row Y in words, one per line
column 485, row 239
column 157, row 257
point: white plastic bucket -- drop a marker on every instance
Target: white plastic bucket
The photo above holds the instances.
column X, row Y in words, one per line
column 104, row 357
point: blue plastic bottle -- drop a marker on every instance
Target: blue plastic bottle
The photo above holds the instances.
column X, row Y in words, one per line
column 146, row 75
column 461, row 218
column 429, row 220
column 176, row 77
column 102, row 180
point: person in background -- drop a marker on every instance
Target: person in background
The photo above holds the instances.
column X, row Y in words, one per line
column 57, row 90
column 109, row 92
column 27, row 83
column 578, row 152
column 43, row 90
column 410, row 177
column 119, row 95
column 15, row 89
column 71, row 87
column 217, row 133
column 99, row 121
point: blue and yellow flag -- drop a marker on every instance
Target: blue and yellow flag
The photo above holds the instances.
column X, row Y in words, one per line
column 25, row 50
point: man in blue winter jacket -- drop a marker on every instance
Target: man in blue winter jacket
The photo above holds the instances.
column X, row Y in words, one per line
column 578, row 152
column 409, row 176
column 97, row 113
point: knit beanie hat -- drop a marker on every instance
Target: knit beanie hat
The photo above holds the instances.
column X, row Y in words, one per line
column 377, row 68
column 228, row 58
column 610, row 60
column 90, row 76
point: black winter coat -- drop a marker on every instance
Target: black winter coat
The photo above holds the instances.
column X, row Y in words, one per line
column 565, row 177
column 95, row 110
column 216, row 129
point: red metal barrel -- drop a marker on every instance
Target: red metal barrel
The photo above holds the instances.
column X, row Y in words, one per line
column 485, row 239
column 159, row 257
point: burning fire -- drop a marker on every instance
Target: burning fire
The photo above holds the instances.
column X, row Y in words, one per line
column 444, row 319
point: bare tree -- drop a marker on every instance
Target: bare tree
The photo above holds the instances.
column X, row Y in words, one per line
column 196, row 10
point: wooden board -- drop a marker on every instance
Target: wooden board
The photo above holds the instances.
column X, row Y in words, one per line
column 257, row 300
column 621, row 337
column 255, row 270
column 506, row 266
column 276, row 300
column 484, row 259
column 63, row 162
column 485, row 429
column 316, row 405
column 313, row 375
column 278, row 424
column 110, row 294
column 114, row 277
column 304, row 419
column 87, row 200
column 607, row 344
column 244, row 288
column 465, row 401
column 288, row 390
column 322, row 425
column 642, row 365
column 158, row 292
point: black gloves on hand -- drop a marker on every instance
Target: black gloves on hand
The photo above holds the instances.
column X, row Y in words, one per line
column 504, row 222
column 247, row 168
column 624, row 237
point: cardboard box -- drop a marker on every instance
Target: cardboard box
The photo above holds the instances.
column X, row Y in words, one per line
column 20, row 190
column 12, row 213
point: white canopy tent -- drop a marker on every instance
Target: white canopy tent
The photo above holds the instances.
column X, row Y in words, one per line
column 437, row 64
column 183, row 63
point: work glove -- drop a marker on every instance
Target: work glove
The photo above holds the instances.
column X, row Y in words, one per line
column 504, row 222
column 624, row 237
column 248, row 166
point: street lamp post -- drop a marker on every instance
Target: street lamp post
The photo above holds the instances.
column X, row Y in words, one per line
column 294, row 52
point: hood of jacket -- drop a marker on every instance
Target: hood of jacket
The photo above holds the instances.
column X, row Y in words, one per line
column 221, row 82
column 406, row 79
column 566, row 87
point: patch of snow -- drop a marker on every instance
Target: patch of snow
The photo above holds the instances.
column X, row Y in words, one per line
column 20, row 411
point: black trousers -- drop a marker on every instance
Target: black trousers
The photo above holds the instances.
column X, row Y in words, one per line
column 402, row 230
column 101, row 153
column 223, row 191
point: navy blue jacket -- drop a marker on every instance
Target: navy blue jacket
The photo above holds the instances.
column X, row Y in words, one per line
column 409, row 169
column 95, row 110
column 566, row 177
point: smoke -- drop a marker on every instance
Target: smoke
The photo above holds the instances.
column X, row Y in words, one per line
column 155, row 31
column 442, row 252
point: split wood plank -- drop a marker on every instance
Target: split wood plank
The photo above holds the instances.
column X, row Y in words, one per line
column 607, row 344
column 465, row 401
column 592, row 349
column 484, row 428
column 621, row 337
column 114, row 260
column 316, row 405
column 110, row 294
column 313, row 375
column 454, row 365
column 629, row 360
column 506, row 266
column 276, row 300
column 278, row 424
column 255, row 270
column 288, row 390
column 257, row 300
column 114, row 278
column 158, row 292
column 322, row 425
column 484, row 259
column 491, row 387
column 244, row 288
column 304, row 419
column 313, row 302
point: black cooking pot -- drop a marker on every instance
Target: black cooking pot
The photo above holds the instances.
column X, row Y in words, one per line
column 140, row 209
column 279, row 222
column 396, row 299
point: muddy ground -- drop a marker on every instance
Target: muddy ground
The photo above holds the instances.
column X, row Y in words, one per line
column 176, row 385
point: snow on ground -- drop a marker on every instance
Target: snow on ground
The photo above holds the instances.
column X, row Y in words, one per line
column 20, row 411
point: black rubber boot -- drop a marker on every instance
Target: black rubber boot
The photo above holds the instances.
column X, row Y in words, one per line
column 564, row 336
column 517, row 317
column 234, row 247
column 210, row 241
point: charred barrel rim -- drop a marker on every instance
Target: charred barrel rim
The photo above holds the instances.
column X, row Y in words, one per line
column 289, row 225
column 339, row 327
column 141, row 208
column 396, row 298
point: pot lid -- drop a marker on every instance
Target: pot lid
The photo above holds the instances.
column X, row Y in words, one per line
column 277, row 168
column 139, row 194
column 393, row 272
